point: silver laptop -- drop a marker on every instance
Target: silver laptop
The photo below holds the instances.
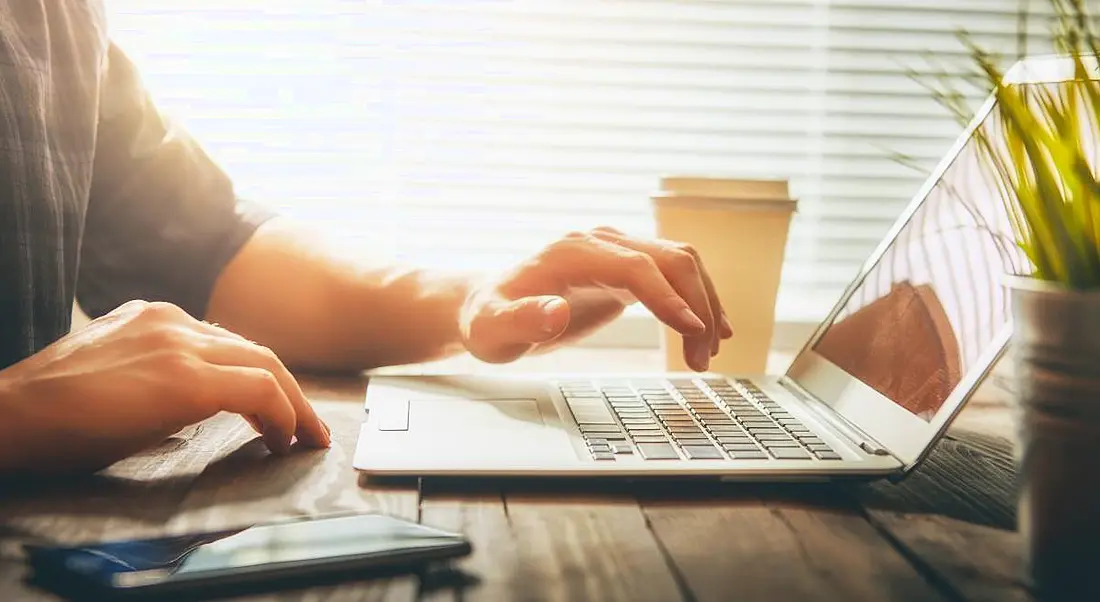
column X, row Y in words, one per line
column 870, row 393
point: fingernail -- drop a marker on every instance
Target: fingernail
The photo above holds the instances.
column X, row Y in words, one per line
column 702, row 358
column 691, row 319
column 727, row 326
column 550, row 306
column 276, row 441
column 553, row 304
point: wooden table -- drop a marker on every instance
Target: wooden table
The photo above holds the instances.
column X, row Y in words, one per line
column 946, row 533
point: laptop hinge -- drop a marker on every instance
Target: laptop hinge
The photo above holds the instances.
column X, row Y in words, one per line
column 854, row 433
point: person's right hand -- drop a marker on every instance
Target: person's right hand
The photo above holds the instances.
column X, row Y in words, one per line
column 135, row 377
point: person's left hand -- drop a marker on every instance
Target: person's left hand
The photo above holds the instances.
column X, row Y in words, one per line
column 584, row 281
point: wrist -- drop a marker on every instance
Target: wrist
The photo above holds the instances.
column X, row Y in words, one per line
column 407, row 315
column 462, row 288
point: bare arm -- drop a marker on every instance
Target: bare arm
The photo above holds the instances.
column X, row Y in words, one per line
column 322, row 309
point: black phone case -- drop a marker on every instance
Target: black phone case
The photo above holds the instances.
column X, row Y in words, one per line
column 49, row 574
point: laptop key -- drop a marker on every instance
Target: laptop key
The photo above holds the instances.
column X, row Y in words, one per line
column 599, row 428
column 682, row 417
column 603, row 456
column 787, row 443
column 772, row 437
column 658, row 451
column 810, row 440
column 633, row 414
column 719, row 422
column 622, row 449
column 685, row 430
column 747, row 421
column 690, row 439
column 585, row 419
column 659, row 438
column 722, row 428
column 819, row 447
column 703, row 452
column 715, row 415
column 758, row 431
column 739, row 447
column 787, row 453
column 749, row 455
column 827, row 455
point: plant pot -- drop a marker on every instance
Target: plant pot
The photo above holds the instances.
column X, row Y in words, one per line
column 1057, row 351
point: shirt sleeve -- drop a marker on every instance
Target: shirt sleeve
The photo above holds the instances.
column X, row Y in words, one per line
column 163, row 219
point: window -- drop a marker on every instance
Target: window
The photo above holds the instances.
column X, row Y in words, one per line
column 469, row 132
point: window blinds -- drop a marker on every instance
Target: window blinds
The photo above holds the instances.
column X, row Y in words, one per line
column 470, row 132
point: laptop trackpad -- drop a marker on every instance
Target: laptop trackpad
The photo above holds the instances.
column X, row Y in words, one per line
column 489, row 427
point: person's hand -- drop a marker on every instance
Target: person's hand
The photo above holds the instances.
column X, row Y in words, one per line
column 585, row 280
column 135, row 377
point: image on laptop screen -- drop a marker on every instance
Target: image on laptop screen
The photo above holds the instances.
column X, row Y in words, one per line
column 935, row 301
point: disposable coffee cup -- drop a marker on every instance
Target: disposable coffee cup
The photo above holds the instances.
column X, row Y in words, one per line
column 739, row 228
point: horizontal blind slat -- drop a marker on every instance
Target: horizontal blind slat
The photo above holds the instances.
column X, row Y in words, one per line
column 470, row 132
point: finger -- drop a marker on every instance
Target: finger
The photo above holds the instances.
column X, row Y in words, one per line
column 297, row 396
column 235, row 351
column 681, row 267
column 504, row 330
column 252, row 392
column 255, row 423
column 130, row 307
column 722, row 329
column 725, row 329
column 587, row 260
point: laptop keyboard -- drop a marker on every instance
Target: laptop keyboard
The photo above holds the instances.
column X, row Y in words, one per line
column 708, row 419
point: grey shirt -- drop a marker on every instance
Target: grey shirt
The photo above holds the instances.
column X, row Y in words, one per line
column 101, row 198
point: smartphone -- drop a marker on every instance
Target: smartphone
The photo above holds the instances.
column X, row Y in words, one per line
column 248, row 559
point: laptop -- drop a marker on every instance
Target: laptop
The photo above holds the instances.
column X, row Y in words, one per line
column 872, row 390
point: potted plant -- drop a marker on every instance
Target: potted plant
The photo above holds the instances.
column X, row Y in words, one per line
column 1045, row 161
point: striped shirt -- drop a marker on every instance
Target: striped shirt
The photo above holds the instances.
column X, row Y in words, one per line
column 102, row 199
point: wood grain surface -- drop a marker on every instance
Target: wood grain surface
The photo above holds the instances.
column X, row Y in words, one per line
column 945, row 533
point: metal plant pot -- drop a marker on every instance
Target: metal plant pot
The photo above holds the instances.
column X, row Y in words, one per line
column 1057, row 350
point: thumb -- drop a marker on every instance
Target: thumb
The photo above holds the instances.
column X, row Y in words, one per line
column 505, row 330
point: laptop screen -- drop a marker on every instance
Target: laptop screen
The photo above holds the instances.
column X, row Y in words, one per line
column 935, row 300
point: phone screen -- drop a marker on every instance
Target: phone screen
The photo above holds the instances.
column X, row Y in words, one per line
column 273, row 546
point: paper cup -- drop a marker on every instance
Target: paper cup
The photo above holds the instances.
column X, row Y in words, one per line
column 740, row 230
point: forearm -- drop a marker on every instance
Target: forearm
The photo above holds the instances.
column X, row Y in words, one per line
column 320, row 308
column 11, row 458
